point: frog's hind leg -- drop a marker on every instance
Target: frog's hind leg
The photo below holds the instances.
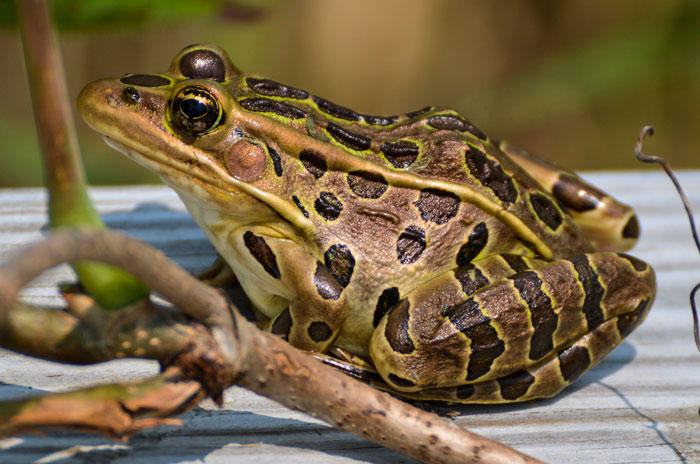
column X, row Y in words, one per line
column 609, row 224
column 524, row 336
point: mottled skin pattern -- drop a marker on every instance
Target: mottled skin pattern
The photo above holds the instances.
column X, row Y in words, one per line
column 460, row 268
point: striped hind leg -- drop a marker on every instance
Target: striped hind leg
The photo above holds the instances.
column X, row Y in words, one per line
column 524, row 336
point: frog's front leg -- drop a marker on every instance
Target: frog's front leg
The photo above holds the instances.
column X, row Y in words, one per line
column 513, row 338
column 218, row 274
column 304, row 301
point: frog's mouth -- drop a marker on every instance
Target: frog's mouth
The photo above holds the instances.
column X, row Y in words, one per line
column 172, row 172
column 141, row 158
column 196, row 189
column 177, row 175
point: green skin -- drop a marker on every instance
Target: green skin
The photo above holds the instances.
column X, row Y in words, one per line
column 459, row 268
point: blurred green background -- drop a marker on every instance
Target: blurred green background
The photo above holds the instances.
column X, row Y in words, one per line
column 572, row 81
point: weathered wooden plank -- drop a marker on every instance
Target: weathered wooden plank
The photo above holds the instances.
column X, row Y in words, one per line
column 639, row 406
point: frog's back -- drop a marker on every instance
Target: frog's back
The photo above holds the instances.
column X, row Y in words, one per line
column 433, row 155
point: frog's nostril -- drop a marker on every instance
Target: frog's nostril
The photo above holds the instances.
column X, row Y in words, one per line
column 131, row 95
column 631, row 229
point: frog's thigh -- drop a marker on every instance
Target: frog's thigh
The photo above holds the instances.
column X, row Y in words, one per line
column 524, row 336
column 317, row 303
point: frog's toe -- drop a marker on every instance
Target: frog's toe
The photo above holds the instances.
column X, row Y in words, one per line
column 219, row 274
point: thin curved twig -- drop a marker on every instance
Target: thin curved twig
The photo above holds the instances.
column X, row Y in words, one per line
column 649, row 130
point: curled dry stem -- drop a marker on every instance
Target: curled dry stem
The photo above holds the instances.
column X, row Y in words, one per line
column 264, row 364
column 649, row 130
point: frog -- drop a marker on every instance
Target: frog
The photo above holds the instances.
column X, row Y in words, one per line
column 411, row 251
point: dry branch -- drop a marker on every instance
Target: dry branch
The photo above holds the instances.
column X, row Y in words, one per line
column 113, row 410
column 236, row 353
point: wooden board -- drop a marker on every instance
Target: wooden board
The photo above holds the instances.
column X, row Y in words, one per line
column 638, row 406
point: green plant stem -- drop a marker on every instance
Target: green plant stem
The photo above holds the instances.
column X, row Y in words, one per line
column 69, row 204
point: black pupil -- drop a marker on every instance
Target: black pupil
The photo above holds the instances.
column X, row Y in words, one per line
column 193, row 108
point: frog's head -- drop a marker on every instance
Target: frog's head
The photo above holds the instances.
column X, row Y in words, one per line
column 184, row 126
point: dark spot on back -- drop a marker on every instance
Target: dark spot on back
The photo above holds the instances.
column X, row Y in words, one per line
column 475, row 131
column 349, row 139
column 491, row 175
column 314, row 162
column 275, row 89
column 276, row 161
column 400, row 154
column 485, row 344
column 576, row 194
column 396, row 331
column 379, row 120
column 328, row 206
column 471, row 278
column 478, row 238
column 297, row 202
column 415, row 114
column 282, row 324
column 340, row 263
column 631, row 229
column 445, row 122
column 266, row 105
column 367, row 184
column 319, row 331
column 337, row 111
column 516, row 385
column 203, row 64
column 546, row 210
column 437, row 206
column 542, row 316
column 145, row 80
column 410, row 244
column 455, row 122
column 326, row 284
column 385, row 302
column 262, row 253
column 573, row 362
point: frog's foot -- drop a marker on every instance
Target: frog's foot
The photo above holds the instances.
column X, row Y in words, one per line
column 609, row 224
column 520, row 336
column 219, row 274
column 351, row 365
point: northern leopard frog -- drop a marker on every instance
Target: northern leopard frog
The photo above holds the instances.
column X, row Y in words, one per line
column 462, row 269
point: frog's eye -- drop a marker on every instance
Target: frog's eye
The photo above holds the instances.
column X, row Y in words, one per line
column 203, row 64
column 196, row 110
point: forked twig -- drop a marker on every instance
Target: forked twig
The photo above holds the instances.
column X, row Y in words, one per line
column 265, row 364
column 649, row 130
